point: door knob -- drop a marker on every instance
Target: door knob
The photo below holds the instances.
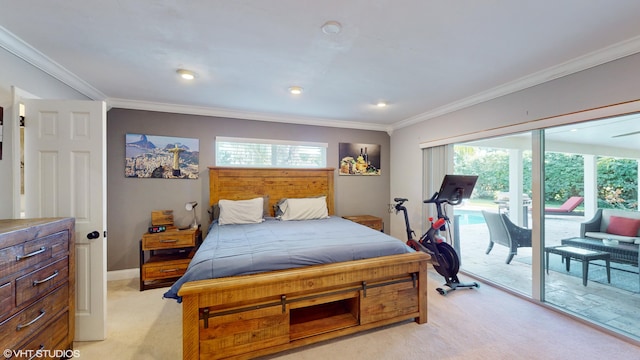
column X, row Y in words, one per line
column 93, row 235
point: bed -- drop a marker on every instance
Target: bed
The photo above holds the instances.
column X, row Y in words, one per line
column 254, row 310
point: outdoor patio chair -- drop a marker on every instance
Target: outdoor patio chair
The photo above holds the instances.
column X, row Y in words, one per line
column 568, row 207
column 504, row 232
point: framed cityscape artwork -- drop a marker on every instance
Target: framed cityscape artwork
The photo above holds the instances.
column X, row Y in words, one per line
column 359, row 159
column 164, row 157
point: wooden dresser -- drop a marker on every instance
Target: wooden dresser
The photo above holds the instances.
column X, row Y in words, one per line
column 37, row 285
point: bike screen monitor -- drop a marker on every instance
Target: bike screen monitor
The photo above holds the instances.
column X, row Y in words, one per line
column 454, row 188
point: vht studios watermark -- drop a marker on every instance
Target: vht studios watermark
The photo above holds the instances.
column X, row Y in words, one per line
column 40, row 353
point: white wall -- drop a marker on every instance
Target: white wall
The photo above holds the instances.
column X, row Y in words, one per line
column 14, row 72
column 132, row 200
column 608, row 84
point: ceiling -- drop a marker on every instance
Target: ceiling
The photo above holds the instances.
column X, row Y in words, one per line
column 617, row 136
column 423, row 57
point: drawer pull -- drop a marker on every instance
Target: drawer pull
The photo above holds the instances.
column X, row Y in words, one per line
column 169, row 241
column 38, row 282
column 22, row 326
column 20, row 257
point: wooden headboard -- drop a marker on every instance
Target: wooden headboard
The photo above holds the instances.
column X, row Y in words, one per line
column 230, row 183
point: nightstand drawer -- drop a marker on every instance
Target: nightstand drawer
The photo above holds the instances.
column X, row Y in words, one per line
column 164, row 269
column 168, row 240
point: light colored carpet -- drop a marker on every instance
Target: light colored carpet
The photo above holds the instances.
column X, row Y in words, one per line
column 484, row 323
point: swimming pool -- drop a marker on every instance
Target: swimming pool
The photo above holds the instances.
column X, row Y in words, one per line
column 469, row 217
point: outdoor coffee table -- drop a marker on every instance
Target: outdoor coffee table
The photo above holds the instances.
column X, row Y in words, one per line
column 584, row 255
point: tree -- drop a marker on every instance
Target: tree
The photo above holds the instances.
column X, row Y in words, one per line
column 492, row 167
column 617, row 183
column 563, row 176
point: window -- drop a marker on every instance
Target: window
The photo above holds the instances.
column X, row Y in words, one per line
column 596, row 160
column 270, row 153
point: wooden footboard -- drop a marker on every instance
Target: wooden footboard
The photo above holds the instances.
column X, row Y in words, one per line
column 247, row 316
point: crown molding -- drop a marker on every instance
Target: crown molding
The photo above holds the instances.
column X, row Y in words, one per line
column 26, row 52
column 34, row 57
column 236, row 114
column 598, row 57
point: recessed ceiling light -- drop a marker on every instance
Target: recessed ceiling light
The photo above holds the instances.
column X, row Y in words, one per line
column 186, row 74
column 295, row 90
column 331, row 27
column 381, row 104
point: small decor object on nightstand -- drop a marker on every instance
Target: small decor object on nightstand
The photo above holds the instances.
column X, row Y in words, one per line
column 191, row 206
column 162, row 217
column 157, row 229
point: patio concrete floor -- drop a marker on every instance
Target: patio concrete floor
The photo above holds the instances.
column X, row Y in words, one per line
column 600, row 303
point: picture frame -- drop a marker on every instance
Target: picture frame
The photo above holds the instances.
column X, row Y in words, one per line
column 359, row 159
column 164, row 157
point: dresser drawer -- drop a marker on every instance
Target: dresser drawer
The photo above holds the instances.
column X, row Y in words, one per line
column 49, row 338
column 32, row 319
column 37, row 285
column 164, row 269
column 17, row 258
column 41, row 281
column 168, row 240
column 6, row 299
column 387, row 300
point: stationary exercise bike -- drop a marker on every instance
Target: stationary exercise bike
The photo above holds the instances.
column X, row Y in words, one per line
column 443, row 256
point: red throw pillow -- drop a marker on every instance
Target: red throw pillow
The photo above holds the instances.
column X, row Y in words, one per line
column 623, row 226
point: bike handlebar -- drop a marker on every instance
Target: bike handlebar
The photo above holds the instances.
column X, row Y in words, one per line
column 432, row 200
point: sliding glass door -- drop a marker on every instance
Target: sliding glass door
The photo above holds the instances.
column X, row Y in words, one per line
column 585, row 255
column 591, row 219
column 494, row 226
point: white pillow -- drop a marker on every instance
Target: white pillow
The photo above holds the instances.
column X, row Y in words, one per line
column 241, row 211
column 304, row 209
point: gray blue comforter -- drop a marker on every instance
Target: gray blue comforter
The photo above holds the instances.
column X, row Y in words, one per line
column 231, row 250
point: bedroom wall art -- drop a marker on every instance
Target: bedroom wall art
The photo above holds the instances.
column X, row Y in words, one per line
column 359, row 159
column 166, row 157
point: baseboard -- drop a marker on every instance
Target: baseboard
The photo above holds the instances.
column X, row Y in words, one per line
column 126, row 274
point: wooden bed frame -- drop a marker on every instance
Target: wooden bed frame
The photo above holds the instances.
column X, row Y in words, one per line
column 243, row 317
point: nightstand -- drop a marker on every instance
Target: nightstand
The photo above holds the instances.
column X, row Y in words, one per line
column 368, row 221
column 164, row 256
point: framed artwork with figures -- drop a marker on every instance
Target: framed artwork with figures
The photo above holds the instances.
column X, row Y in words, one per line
column 163, row 157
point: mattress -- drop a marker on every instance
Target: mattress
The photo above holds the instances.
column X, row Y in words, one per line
column 231, row 250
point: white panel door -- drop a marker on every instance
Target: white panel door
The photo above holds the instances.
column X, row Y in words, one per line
column 65, row 176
